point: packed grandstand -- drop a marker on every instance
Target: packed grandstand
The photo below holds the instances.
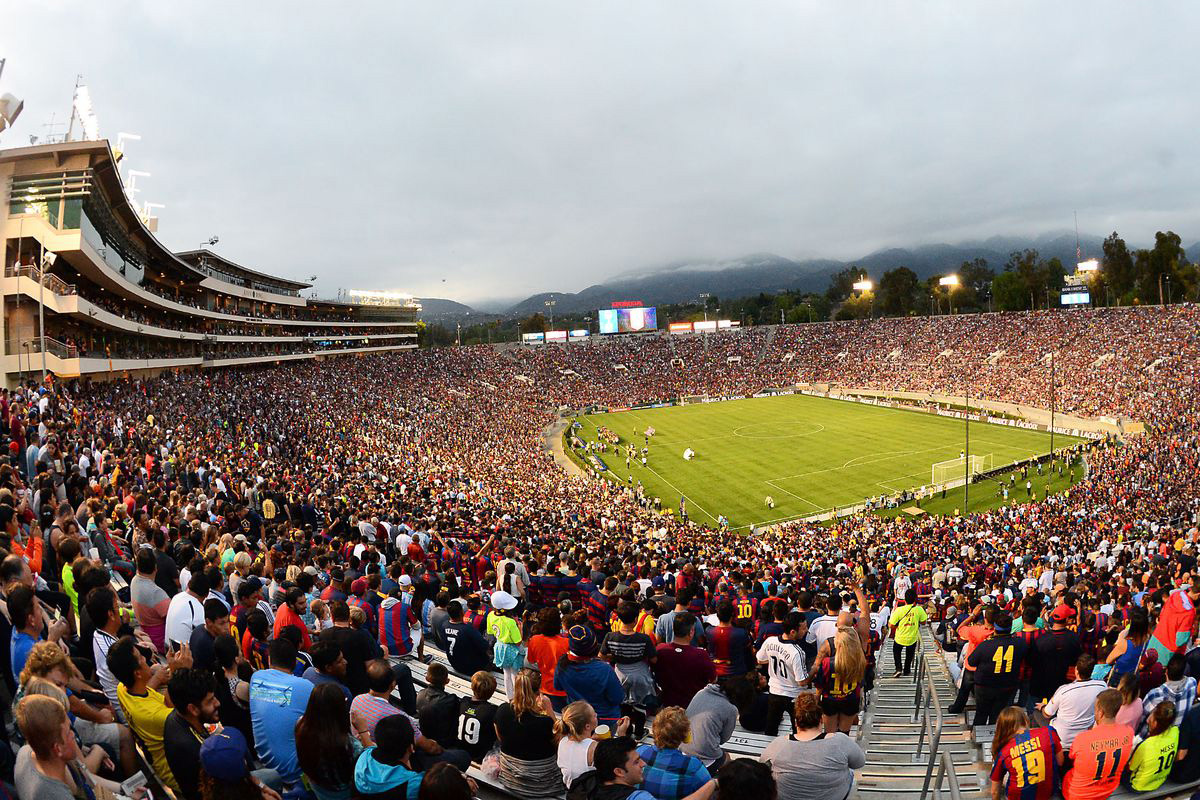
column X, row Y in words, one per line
column 367, row 576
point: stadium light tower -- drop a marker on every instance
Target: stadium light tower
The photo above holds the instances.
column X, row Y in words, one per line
column 550, row 305
column 704, row 304
column 951, row 282
column 864, row 285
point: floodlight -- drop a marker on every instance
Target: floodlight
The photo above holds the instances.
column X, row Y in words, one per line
column 863, row 286
column 949, row 280
column 1091, row 265
column 10, row 109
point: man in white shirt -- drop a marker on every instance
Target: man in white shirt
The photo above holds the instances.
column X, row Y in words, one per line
column 1071, row 710
column 825, row 626
column 787, row 671
column 186, row 610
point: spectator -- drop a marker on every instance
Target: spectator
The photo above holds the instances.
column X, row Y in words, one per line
column 93, row 725
column 328, row 667
column 1131, row 704
column 144, row 706
column 25, row 613
column 377, row 705
column 477, row 717
column 713, row 714
column 670, row 774
column 186, row 611
column 466, row 649
column 1187, row 761
column 838, row 678
column 216, row 623
column 506, row 654
column 48, row 764
column 195, row 702
column 619, row 766
column 1131, row 644
column 808, row 764
column 291, row 614
column 150, row 602
column 1098, row 756
column 447, row 782
column 743, row 778
column 386, row 770
column 1071, row 709
column 787, row 672
column 583, row 677
column 233, row 686
column 1179, row 690
column 1151, row 762
column 1054, row 654
column 1025, row 762
column 329, row 740
column 906, row 623
column 576, row 747
column 631, row 653
column 438, row 619
column 277, row 701
column 437, row 709
column 546, row 647
column 525, row 731
column 681, row 669
column 997, row 662
column 729, row 644
column 225, row 757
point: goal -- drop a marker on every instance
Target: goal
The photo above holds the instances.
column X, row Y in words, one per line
column 956, row 468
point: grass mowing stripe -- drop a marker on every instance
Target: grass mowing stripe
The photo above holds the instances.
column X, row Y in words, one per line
column 811, row 453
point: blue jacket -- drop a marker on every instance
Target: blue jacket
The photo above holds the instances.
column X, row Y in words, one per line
column 383, row 780
column 593, row 681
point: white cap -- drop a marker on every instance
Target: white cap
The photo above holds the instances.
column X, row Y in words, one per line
column 503, row 601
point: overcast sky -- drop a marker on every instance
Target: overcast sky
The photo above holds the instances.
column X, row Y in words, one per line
column 482, row 149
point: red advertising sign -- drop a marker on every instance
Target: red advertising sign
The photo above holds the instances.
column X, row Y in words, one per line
column 627, row 304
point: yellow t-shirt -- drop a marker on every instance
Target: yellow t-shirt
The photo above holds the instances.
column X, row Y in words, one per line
column 1152, row 760
column 147, row 714
column 907, row 620
column 505, row 629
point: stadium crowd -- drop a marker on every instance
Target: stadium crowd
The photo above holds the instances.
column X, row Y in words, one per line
column 241, row 576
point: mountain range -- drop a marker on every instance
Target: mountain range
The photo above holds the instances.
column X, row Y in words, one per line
column 684, row 281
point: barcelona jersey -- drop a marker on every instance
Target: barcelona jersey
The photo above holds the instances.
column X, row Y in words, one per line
column 1028, row 764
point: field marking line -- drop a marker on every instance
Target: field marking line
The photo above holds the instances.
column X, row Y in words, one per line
column 820, row 429
column 884, row 453
column 793, row 494
column 676, row 488
column 875, row 460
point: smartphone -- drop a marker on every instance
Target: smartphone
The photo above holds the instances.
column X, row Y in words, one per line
column 173, row 645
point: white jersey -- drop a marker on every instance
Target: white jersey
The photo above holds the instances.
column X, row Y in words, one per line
column 785, row 666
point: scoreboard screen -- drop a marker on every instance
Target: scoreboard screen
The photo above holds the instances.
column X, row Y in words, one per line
column 628, row 320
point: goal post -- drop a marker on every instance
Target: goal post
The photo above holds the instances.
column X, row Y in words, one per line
column 956, row 468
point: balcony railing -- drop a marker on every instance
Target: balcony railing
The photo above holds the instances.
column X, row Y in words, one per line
column 28, row 345
column 54, row 283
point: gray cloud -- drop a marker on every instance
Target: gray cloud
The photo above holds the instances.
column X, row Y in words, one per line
column 519, row 146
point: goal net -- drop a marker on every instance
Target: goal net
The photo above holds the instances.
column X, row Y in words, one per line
column 957, row 468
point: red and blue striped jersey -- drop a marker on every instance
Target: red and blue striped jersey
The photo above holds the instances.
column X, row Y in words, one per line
column 1028, row 764
column 395, row 623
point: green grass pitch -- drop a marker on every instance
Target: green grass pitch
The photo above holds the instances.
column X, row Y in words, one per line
column 809, row 453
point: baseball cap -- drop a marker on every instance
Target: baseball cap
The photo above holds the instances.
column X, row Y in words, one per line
column 223, row 755
column 503, row 601
column 1062, row 614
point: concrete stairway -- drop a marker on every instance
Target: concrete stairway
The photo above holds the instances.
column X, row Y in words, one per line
column 766, row 346
column 902, row 723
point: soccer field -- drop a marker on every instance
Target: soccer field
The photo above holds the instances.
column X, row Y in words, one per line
column 809, row 453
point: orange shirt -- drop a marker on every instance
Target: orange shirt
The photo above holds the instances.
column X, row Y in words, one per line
column 544, row 652
column 1100, row 756
column 973, row 635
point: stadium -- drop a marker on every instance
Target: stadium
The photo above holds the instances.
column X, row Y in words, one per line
column 258, row 543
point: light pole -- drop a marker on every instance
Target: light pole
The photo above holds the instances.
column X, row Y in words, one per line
column 967, row 452
column 550, row 305
column 704, row 304
column 951, row 283
column 48, row 260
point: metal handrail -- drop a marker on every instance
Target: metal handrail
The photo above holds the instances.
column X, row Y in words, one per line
column 929, row 714
column 946, row 772
column 55, row 284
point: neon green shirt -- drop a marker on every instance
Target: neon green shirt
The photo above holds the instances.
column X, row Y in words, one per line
column 907, row 620
column 1152, row 760
column 68, row 584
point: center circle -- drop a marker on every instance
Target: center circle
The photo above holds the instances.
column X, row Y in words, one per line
column 777, row 430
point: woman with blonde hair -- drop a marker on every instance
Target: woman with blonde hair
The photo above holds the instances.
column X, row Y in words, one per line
column 525, row 731
column 838, row 678
column 575, row 743
column 1027, row 756
column 48, row 662
column 670, row 774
